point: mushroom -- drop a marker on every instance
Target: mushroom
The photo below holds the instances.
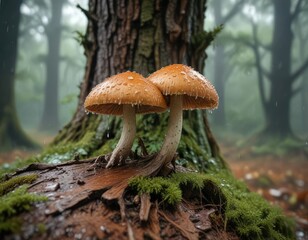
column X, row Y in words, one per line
column 186, row 89
column 125, row 94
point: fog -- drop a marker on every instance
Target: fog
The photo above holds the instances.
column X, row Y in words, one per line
column 31, row 64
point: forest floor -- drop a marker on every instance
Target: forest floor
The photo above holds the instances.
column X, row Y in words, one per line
column 282, row 180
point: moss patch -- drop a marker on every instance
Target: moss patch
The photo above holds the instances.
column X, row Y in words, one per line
column 249, row 214
column 244, row 212
column 12, row 183
column 13, row 203
column 167, row 190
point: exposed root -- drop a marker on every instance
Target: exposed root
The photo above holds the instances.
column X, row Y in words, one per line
column 122, row 207
column 180, row 220
column 130, row 231
column 153, row 222
column 144, row 207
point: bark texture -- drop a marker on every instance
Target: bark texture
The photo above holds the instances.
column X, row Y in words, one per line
column 11, row 133
column 143, row 36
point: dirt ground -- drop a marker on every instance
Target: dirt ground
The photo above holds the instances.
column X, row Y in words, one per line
column 283, row 180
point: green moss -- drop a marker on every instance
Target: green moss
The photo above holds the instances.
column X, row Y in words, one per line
column 13, row 203
column 203, row 39
column 41, row 228
column 167, row 190
column 248, row 213
column 14, row 182
column 147, row 11
column 10, row 225
column 106, row 148
column 244, row 212
column 18, row 163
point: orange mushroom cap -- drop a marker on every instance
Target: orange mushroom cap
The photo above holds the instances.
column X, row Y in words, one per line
column 179, row 79
column 125, row 88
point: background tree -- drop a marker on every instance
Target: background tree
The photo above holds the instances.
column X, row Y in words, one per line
column 32, row 64
column 302, row 52
column 220, row 75
column 11, row 133
column 50, row 118
column 281, row 78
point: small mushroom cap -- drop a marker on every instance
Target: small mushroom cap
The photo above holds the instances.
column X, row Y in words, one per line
column 179, row 79
column 128, row 87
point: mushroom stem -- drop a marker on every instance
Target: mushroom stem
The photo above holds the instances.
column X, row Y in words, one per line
column 174, row 130
column 123, row 148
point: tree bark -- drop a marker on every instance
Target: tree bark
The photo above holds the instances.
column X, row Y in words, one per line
column 50, row 117
column 11, row 133
column 143, row 36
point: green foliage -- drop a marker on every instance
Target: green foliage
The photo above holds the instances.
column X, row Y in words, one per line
column 14, row 182
column 247, row 213
column 80, row 38
column 279, row 146
column 203, row 39
column 13, row 203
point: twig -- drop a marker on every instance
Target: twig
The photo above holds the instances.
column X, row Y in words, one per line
column 87, row 13
column 145, row 207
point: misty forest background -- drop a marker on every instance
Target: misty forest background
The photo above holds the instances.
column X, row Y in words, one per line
column 260, row 90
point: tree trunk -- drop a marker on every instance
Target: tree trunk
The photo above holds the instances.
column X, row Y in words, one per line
column 50, row 118
column 278, row 107
column 11, row 134
column 143, row 37
column 304, row 78
column 304, row 103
